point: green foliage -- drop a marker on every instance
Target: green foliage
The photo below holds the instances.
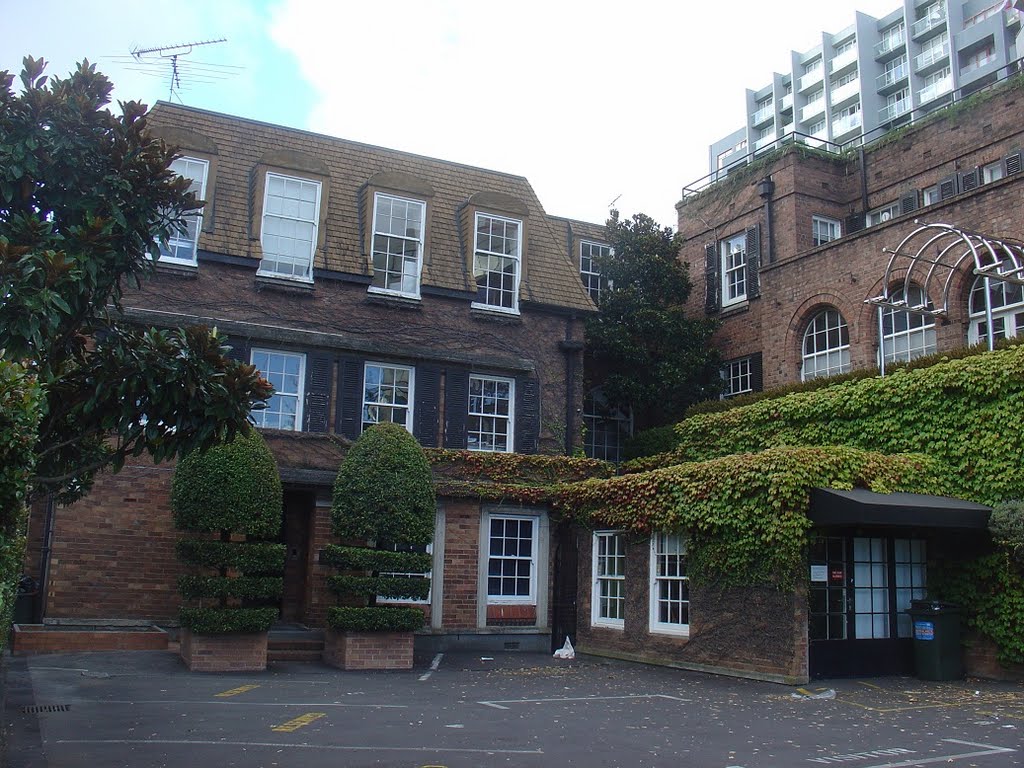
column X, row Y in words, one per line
column 1006, row 525
column 232, row 486
column 364, row 559
column 242, row 587
column 745, row 516
column 513, row 468
column 651, row 442
column 221, row 621
column 84, row 196
column 384, row 491
column 393, row 587
column 654, row 358
column 390, row 619
column 249, row 557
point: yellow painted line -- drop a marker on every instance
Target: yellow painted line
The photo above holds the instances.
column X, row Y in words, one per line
column 298, row 722
column 804, row 691
column 870, row 685
column 235, row 691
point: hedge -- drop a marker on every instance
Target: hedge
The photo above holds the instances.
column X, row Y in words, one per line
column 249, row 557
column 219, row 621
column 388, row 619
column 391, row 587
column 363, row 559
column 244, row 587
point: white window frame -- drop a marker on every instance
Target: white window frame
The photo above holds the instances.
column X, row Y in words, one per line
column 592, row 279
column 259, row 417
column 825, row 230
column 510, row 417
column 1005, row 310
column 991, row 172
column 919, row 333
column 733, row 260
column 528, row 599
column 411, row 395
column 930, row 195
column 180, row 241
column 601, row 576
column 737, row 372
column 480, row 254
column 378, row 198
column 842, row 350
column 655, row 625
column 883, row 214
column 306, row 276
column 601, row 420
column 426, row 574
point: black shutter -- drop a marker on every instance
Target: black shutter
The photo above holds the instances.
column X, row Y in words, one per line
column 756, row 373
column 1011, row 163
column 713, row 299
column 319, row 377
column 970, row 180
column 948, row 187
column 456, row 407
column 855, row 222
column 240, row 349
column 427, row 398
column 754, row 261
column 909, row 201
column 527, row 434
column 348, row 421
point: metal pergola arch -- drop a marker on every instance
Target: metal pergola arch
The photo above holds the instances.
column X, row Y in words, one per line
column 941, row 251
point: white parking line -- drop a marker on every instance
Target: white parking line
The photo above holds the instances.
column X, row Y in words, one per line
column 433, row 667
column 294, row 745
column 500, row 704
column 236, row 703
column 987, row 749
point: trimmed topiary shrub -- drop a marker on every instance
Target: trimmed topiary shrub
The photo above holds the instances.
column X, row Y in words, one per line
column 233, row 488
column 383, row 496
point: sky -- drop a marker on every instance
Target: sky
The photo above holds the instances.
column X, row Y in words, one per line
column 596, row 103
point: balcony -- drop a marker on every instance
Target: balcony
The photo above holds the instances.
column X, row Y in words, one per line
column 845, row 125
column 932, row 58
column 891, row 45
column 936, row 89
column 787, row 102
column 892, row 79
column 843, row 61
column 845, row 93
column 810, row 79
column 764, row 115
column 894, row 110
column 977, row 63
column 765, row 141
column 933, row 22
column 812, row 110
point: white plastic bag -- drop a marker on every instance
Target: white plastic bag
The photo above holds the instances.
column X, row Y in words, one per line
column 566, row 651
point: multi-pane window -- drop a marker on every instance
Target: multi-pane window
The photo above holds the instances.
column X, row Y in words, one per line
column 291, row 210
column 930, row 195
column 826, row 346
column 812, row 66
column 991, row 172
column 607, row 428
column 181, row 245
column 1007, row 301
column 387, row 395
column 824, row 230
column 590, row 273
column 816, row 129
column 286, row 372
column 737, row 378
column 871, row 588
column 828, row 608
column 609, row 591
column 846, row 79
column 907, row 335
column 883, row 214
column 670, row 586
column 512, row 547
column 491, row 411
column 734, row 269
column 397, row 244
column 496, row 262
column 426, row 549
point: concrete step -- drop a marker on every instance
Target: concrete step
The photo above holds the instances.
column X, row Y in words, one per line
column 293, row 654
column 295, row 644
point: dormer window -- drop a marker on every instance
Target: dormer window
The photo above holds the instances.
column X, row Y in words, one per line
column 288, row 234
column 397, row 247
column 183, row 243
column 497, row 258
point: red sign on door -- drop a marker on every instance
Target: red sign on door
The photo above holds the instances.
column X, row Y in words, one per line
column 836, row 574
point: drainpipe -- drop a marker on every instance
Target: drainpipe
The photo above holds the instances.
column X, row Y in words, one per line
column 44, row 560
column 766, row 188
column 571, row 348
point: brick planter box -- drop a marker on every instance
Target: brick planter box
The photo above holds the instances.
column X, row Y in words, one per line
column 980, row 660
column 39, row 638
column 233, row 652
column 368, row 650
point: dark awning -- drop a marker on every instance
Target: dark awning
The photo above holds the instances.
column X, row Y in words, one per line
column 862, row 507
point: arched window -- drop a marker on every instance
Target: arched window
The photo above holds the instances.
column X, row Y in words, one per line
column 606, row 428
column 826, row 349
column 1007, row 310
column 906, row 335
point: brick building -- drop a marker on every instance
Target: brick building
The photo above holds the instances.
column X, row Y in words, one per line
column 367, row 285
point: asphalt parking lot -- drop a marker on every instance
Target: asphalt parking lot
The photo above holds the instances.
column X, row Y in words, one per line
column 469, row 710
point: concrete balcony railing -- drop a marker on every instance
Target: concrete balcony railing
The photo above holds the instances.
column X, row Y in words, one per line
column 845, row 92
column 812, row 110
column 810, row 79
column 843, row 60
column 764, row 114
column 846, row 125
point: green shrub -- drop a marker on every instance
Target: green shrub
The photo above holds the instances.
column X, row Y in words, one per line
column 650, row 442
column 391, row 587
column 220, row 621
column 1006, row 525
column 249, row 557
column 363, row 559
column 386, row 619
column 243, row 587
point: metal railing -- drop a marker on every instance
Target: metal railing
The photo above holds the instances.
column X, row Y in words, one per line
column 894, row 110
column 890, row 44
column 928, row 23
column 892, row 76
column 928, row 58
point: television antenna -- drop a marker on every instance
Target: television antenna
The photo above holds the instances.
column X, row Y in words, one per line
column 171, row 57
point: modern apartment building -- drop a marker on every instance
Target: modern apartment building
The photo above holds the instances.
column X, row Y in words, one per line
column 876, row 74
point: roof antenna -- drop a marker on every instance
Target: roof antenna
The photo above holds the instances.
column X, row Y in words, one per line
column 613, row 202
column 172, row 52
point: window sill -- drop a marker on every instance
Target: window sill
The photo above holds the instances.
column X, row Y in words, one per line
column 283, row 284
column 680, row 632
column 385, row 298
column 491, row 600
column 735, row 309
column 619, row 626
column 177, row 268
column 490, row 314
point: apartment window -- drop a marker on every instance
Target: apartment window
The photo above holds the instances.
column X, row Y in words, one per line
column 845, row 46
column 670, row 586
column 1007, row 301
column 907, row 335
column 423, row 548
column 608, row 599
column 291, row 210
column 590, row 256
column 930, row 195
column 287, row 373
column 978, row 58
column 883, row 214
column 734, row 269
column 814, row 97
column 824, row 230
column 894, row 36
column 182, row 244
column 932, row 50
column 737, row 378
column 397, row 246
column 387, row 395
column 896, row 69
column 496, row 262
column 607, row 428
column 812, row 66
column 992, row 172
column 846, row 79
column 898, row 102
column 826, row 346
column 491, row 413
column 817, row 129
column 988, row 12
column 512, row 547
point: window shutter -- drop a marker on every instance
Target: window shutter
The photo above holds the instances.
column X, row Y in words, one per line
column 1011, row 163
column 970, row 180
column 319, row 377
column 910, row 201
column 754, row 261
column 756, row 372
column 427, row 397
column 948, row 187
column 240, row 349
column 855, row 222
column 713, row 299
column 350, row 404
column 456, row 407
column 527, row 415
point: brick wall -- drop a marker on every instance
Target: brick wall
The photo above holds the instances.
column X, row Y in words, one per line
column 369, row 650
column 461, row 553
column 234, row 652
